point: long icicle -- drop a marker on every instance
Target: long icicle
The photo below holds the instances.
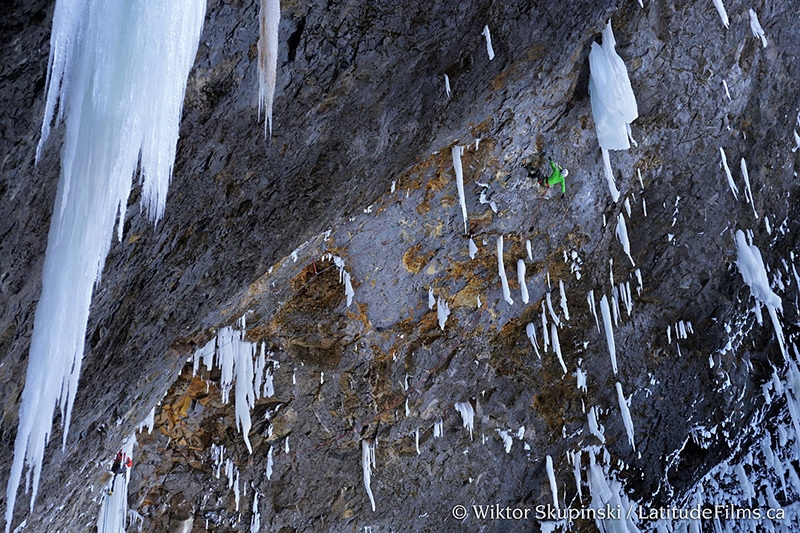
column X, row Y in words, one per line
column 269, row 20
column 117, row 76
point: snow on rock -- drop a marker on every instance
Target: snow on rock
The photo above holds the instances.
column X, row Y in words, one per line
column 523, row 287
column 626, row 414
column 722, row 13
column 431, row 298
column 488, row 37
column 734, row 188
column 612, row 350
column 622, row 235
column 269, row 19
column 467, row 416
column 367, row 463
column 447, row 86
column 457, row 152
column 117, row 78
column 502, row 271
column 755, row 27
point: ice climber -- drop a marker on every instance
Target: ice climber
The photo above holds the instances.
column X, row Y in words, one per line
column 120, row 466
column 556, row 177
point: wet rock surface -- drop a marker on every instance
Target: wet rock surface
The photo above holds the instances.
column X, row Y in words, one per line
column 360, row 167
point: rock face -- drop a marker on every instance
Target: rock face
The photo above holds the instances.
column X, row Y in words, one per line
column 360, row 168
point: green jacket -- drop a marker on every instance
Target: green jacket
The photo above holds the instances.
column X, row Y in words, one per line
column 556, row 177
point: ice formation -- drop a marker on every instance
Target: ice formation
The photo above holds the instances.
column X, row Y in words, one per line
column 563, row 299
column 113, row 513
column 594, row 428
column 613, row 102
column 255, row 521
column 367, row 463
column 467, row 416
column 580, row 376
column 611, row 91
column 612, row 350
column 576, row 470
column 734, row 188
column 523, row 287
column 553, row 314
column 489, row 48
column 344, row 277
column 626, row 415
column 458, row 151
column 442, row 311
column 557, row 347
column 117, row 75
column 722, row 13
column 609, row 173
column 447, row 85
column 622, row 235
column 748, row 193
column 755, row 27
column 473, row 249
column 607, row 493
column 551, row 476
column 508, row 440
column 530, row 331
column 269, row 19
column 593, row 308
column 502, row 271
column 754, row 274
column 235, row 359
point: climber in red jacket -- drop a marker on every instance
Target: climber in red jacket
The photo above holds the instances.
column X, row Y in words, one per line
column 120, row 466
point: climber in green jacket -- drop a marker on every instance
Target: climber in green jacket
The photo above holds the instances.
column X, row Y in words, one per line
column 557, row 176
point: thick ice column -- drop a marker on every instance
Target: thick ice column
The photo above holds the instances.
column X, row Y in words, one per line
column 269, row 19
column 117, row 76
column 613, row 102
